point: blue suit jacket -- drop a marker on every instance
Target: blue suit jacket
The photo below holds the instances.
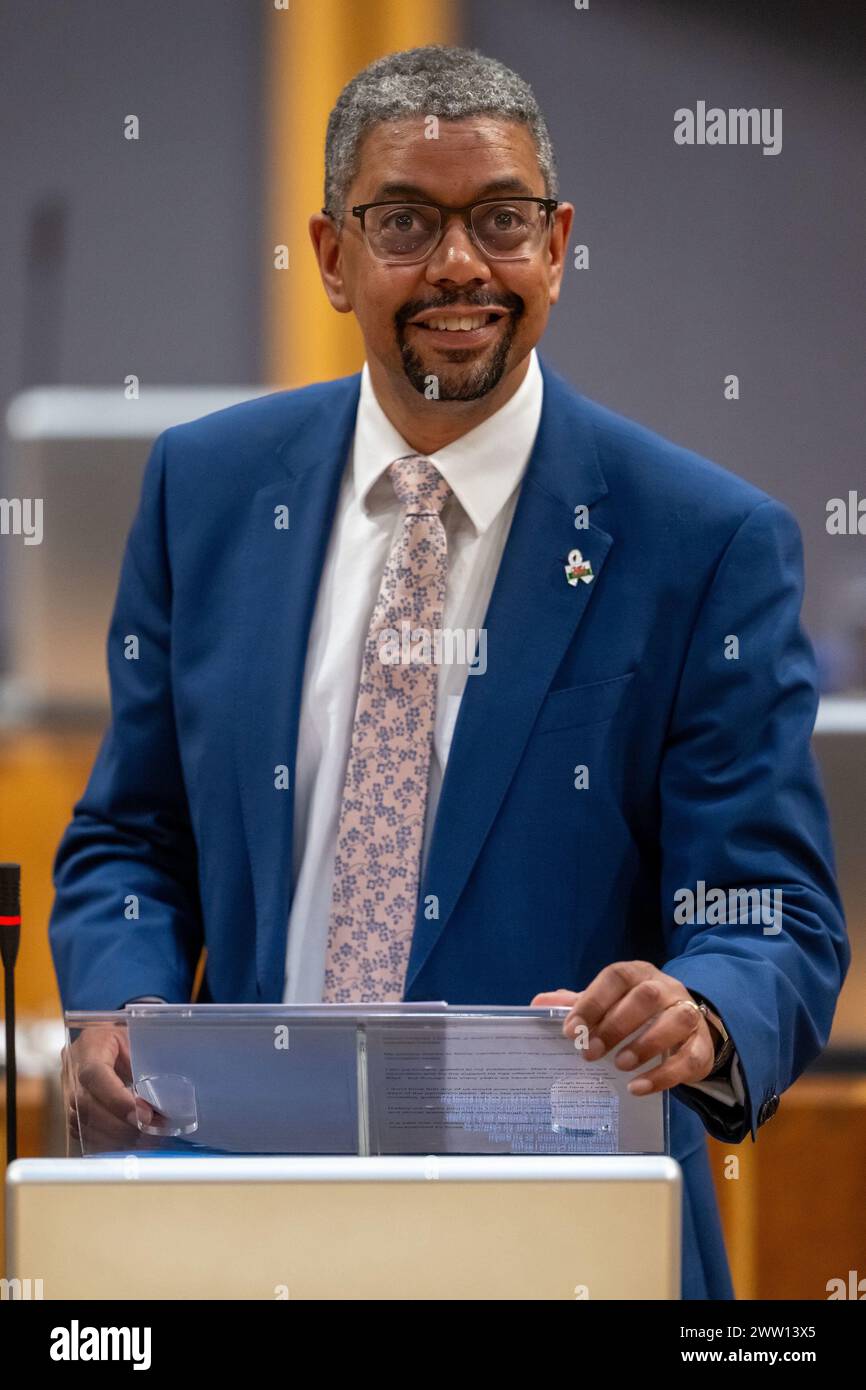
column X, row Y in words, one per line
column 699, row 766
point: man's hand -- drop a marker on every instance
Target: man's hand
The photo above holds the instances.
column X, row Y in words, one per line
column 102, row 1111
column 620, row 999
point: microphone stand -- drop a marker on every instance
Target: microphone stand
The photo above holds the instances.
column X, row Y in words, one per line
column 10, row 935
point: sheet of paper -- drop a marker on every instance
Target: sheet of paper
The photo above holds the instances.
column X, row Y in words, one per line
column 505, row 1086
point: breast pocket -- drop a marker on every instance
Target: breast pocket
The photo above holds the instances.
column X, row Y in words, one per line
column 582, row 704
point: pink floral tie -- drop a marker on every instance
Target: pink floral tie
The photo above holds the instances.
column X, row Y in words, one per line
column 376, row 870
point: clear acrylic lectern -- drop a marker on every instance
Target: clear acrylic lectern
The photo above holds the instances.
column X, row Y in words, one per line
column 375, row 1079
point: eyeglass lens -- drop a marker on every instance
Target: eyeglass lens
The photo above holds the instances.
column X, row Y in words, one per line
column 410, row 232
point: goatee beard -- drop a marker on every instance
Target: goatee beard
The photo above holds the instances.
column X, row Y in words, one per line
column 481, row 377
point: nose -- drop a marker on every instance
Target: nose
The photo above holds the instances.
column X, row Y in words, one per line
column 457, row 259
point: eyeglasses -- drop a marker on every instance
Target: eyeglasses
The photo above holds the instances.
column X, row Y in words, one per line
column 503, row 230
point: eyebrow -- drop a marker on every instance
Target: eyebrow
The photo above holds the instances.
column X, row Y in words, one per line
column 507, row 184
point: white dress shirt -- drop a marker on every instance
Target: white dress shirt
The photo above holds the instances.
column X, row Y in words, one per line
column 484, row 469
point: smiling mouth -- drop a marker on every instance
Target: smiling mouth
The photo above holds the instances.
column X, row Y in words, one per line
column 444, row 321
column 460, row 330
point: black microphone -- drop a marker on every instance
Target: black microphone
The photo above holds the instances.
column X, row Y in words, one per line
column 10, row 935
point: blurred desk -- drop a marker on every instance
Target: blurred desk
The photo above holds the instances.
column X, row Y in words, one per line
column 840, row 747
column 795, row 1216
column 42, row 775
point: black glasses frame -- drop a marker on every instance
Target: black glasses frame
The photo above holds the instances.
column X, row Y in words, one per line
column 360, row 211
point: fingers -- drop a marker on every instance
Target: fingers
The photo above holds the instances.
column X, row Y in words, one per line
column 650, row 998
column 635, row 997
column 122, row 1064
column 98, row 1129
column 103, row 1111
column 554, row 998
column 675, row 1026
column 101, row 1082
column 688, row 1065
column 612, row 985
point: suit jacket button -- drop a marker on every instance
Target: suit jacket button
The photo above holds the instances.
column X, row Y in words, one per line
column 768, row 1109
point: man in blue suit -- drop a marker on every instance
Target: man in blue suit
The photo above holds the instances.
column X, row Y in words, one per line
column 617, row 811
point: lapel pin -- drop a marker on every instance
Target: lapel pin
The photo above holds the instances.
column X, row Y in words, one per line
column 578, row 570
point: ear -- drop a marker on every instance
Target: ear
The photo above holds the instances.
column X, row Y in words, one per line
column 558, row 246
column 327, row 244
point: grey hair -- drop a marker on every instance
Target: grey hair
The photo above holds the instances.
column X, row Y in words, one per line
column 437, row 80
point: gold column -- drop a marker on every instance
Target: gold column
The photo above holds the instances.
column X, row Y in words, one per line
column 312, row 49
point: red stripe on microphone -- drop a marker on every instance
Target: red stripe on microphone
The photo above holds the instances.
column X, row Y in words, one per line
column 10, row 921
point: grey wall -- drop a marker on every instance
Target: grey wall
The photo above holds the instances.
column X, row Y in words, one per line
column 151, row 260
column 123, row 257
column 708, row 261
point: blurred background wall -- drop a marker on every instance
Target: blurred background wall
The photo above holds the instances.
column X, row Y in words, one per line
column 120, row 255
column 707, row 261
column 156, row 258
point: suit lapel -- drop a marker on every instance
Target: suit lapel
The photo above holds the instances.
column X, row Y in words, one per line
column 278, row 587
column 531, row 620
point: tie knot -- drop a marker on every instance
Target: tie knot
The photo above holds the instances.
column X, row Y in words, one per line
column 419, row 485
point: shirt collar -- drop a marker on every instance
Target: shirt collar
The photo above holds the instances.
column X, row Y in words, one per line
column 482, row 467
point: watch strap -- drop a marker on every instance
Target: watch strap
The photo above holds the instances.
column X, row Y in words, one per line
column 725, row 1043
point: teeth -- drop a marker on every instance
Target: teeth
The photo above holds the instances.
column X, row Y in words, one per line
column 453, row 324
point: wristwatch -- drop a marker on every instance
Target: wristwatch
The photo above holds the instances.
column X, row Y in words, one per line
column 725, row 1045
